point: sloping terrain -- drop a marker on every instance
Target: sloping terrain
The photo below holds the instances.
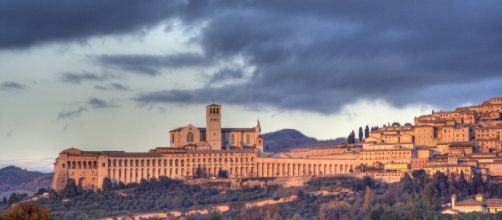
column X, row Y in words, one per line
column 290, row 138
column 15, row 179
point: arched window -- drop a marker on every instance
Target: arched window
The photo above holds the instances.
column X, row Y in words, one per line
column 190, row 137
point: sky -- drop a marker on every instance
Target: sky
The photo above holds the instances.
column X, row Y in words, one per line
column 119, row 74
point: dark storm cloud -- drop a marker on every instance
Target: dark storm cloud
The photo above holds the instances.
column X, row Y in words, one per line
column 320, row 55
column 78, row 78
column 72, row 113
column 306, row 55
column 99, row 103
column 10, row 86
column 112, row 87
column 225, row 74
column 152, row 64
column 27, row 23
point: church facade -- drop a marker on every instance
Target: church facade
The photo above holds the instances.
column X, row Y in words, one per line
column 214, row 137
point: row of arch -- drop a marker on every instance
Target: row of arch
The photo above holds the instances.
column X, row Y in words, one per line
column 129, row 175
column 174, row 162
column 81, row 164
column 274, row 169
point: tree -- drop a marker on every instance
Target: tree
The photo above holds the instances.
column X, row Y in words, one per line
column 70, row 190
column 367, row 198
column 351, row 138
column 407, row 183
column 121, row 185
column 40, row 191
column 214, row 216
column 360, row 136
column 107, row 184
column 4, row 201
column 366, row 132
column 222, row 174
column 427, row 197
column 27, row 211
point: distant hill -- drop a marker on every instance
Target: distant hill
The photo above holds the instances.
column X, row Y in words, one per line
column 15, row 179
column 290, row 138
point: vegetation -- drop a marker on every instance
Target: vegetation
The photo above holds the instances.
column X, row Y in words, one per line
column 351, row 139
column 153, row 195
column 27, row 211
column 416, row 196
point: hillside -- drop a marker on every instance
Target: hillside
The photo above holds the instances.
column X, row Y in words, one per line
column 15, row 179
column 290, row 138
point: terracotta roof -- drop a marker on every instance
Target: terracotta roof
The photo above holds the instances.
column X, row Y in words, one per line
column 493, row 202
column 461, row 144
column 202, row 129
column 468, row 202
column 447, row 165
column 213, row 105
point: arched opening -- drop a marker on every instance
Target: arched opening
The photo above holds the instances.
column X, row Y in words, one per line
column 190, row 137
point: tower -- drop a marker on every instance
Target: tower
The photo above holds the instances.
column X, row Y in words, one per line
column 213, row 126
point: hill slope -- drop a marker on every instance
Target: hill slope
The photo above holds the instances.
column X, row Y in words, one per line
column 290, row 138
column 15, row 179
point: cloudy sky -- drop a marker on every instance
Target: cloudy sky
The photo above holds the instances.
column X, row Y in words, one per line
column 118, row 75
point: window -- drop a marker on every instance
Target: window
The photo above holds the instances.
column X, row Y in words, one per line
column 172, row 138
column 247, row 138
column 190, row 137
column 232, row 139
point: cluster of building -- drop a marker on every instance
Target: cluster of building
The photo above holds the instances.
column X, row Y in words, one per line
column 464, row 140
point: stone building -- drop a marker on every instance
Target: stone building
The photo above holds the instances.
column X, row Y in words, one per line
column 448, row 142
column 208, row 152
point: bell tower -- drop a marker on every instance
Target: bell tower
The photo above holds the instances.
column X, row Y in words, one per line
column 213, row 126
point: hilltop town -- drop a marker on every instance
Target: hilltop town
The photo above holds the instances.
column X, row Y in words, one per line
column 464, row 141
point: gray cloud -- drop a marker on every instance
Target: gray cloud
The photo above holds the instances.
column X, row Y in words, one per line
column 320, row 55
column 78, row 78
column 10, row 86
column 151, row 64
column 99, row 103
column 112, row 87
column 313, row 56
column 49, row 21
column 71, row 114
column 225, row 74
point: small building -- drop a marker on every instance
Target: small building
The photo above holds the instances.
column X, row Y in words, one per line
column 476, row 204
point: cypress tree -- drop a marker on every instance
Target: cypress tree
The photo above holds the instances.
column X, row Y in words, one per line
column 70, row 190
column 367, row 198
column 107, row 184
column 360, row 136
column 366, row 132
